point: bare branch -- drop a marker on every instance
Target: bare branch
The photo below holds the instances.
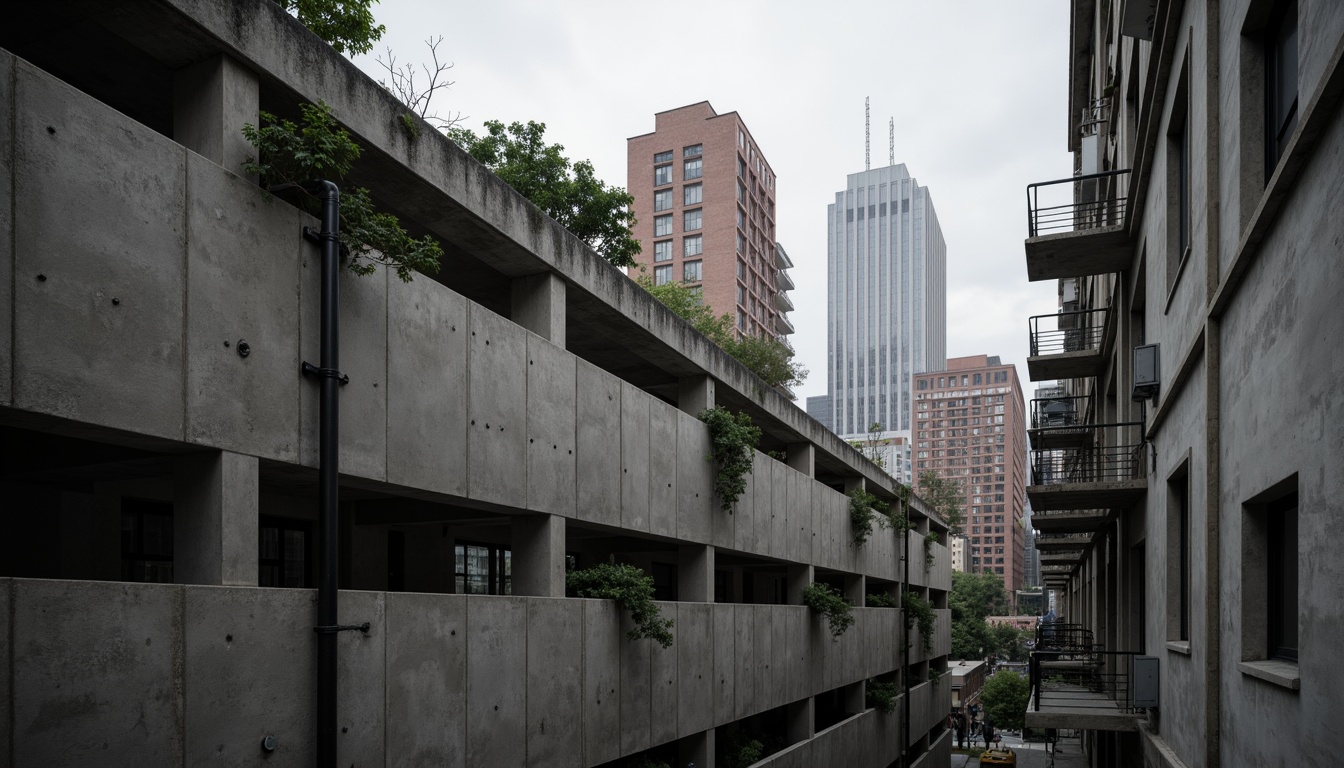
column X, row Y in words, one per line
column 402, row 84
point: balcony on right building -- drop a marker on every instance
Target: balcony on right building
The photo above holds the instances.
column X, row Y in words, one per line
column 1079, row 469
column 1077, row 226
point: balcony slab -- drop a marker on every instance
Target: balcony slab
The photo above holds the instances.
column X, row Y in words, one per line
column 1096, row 251
column 1065, row 365
column 1111, row 494
column 1074, row 707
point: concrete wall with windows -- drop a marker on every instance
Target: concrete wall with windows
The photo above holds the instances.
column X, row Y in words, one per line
column 136, row 259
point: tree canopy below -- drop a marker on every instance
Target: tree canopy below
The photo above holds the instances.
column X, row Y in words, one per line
column 568, row 192
column 1005, row 698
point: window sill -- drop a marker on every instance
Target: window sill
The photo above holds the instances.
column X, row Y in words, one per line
column 1282, row 673
column 1179, row 646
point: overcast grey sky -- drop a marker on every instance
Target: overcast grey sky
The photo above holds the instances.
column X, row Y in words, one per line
column 977, row 89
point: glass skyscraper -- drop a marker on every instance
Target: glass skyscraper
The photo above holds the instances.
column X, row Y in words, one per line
column 886, row 300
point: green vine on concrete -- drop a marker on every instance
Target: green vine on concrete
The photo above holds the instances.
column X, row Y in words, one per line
column 864, row 509
column 880, row 600
column 935, row 674
column 881, row 696
column 919, row 612
column 632, row 589
column 290, row 155
column 743, row 751
column 929, row 540
column 831, row 604
column 733, row 438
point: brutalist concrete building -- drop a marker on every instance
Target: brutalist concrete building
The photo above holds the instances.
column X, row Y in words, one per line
column 527, row 411
column 1187, row 480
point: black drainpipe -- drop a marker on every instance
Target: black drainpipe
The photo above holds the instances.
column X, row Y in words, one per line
column 328, row 489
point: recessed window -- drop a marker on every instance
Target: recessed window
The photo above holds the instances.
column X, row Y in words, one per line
column 692, row 221
column 693, row 194
column 695, row 150
column 692, row 246
column 692, row 169
column 1178, row 554
column 1269, row 580
column 662, row 250
column 690, row 271
column 663, row 157
column 662, row 275
column 483, row 569
column 1178, row 178
column 1281, row 579
column 662, row 225
column 662, row 174
column 662, row 200
column 1280, row 45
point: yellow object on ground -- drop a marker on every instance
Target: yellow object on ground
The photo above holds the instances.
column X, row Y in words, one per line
column 998, row 756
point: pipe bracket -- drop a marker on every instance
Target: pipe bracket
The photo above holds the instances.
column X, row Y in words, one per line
column 331, row 630
column 309, row 369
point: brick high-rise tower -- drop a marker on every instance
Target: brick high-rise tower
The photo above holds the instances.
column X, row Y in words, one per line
column 705, row 205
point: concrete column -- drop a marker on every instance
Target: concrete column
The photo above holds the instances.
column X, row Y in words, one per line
column 215, row 519
column 800, row 719
column 799, row 577
column 803, row 457
column 854, row 588
column 539, row 555
column 852, row 697
column 696, row 749
column 855, row 482
column 212, row 101
column 539, row 306
column 695, row 574
column 695, row 394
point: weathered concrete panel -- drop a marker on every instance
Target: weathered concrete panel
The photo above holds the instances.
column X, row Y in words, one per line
column 598, row 445
column 550, row 428
column 363, row 357
column 695, row 480
column 762, row 476
column 7, row 107
column 601, row 695
column 764, row 656
column 777, row 666
column 496, row 681
column 426, row 679
column 635, row 404
column 361, row 684
column 636, row 692
column 744, row 660
column 98, row 312
column 725, row 662
column 6, row 657
column 795, row 676
column 744, row 515
column 663, row 675
column 244, row 257
column 249, row 655
column 554, row 683
column 496, row 427
column 98, row 667
column 694, row 647
column 663, row 468
column 427, row 386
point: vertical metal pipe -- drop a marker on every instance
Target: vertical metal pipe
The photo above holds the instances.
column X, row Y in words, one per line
column 905, row 624
column 328, row 493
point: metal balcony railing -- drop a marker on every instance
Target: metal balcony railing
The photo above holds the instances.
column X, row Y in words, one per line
column 1063, row 411
column 1082, row 678
column 1099, row 200
column 1114, row 452
column 1079, row 331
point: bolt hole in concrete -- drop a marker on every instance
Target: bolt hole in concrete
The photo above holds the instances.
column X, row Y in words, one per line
column 41, row 278
column 228, row 638
column 51, row 130
column 116, row 302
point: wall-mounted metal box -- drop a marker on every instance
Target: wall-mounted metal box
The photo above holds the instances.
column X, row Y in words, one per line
column 1143, row 682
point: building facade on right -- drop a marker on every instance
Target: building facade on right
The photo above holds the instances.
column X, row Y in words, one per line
column 1186, row 478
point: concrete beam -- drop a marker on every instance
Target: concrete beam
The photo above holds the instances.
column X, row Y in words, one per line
column 539, row 306
column 215, row 519
column 696, row 750
column 695, row 394
column 539, row 555
column 212, row 101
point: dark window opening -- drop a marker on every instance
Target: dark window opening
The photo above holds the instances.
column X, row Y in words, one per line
column 1282, row 572
column 146, row 541
column 483, row 569
column 284, row 553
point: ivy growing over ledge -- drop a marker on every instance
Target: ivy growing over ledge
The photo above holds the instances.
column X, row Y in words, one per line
column 864, row 510
column 919, row 611
column 290, row 155
column 881, row 696
column 733, row 438
column 831, row 604
column 632, row 589
column 930, row 539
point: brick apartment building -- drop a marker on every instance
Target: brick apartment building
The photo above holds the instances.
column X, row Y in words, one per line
column 969, row 426
column 705, row 205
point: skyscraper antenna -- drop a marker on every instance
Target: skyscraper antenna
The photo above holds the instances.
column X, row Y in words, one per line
column 891, row 141
column 866, row 137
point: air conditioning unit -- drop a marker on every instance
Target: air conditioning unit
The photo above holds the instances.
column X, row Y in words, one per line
column 1143, row 682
